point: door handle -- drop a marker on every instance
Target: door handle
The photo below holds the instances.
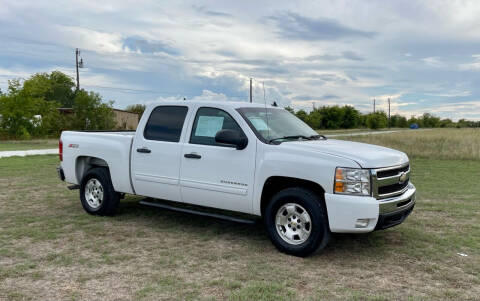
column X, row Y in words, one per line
column 144, row 150
column 192, row 156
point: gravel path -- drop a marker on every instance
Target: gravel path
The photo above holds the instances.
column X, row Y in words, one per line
column 5, row 154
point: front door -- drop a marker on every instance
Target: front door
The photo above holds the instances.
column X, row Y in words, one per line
column 212, row 174
column 156, row 154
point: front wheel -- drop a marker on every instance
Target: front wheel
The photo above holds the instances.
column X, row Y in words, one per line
column 296, row 222
column 97, row 194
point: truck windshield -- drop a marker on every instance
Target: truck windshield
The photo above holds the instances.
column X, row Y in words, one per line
column 277, row 125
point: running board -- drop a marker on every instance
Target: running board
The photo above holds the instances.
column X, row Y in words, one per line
column 201, row 213
column 73, row 187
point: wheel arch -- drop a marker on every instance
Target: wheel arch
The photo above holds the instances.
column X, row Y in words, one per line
column 276, row 183
column 84, row 163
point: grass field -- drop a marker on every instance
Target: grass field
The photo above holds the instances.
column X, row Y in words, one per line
column 11, row 145
column 456, row 144
column 51, row 249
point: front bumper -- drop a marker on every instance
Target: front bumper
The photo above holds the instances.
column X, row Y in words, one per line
column 395, row 210
column 344, row 211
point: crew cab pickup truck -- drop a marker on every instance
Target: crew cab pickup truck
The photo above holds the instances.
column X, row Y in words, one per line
column 248, row 158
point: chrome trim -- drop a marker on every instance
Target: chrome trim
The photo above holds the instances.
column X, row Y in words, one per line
column 390, row 205
column 391, row 180
column 395, row 193
column 392, row 167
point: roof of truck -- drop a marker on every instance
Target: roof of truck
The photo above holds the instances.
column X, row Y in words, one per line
column 232, row 104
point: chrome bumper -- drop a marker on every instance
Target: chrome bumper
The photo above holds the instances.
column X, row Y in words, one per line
column 394, row 211
column 398, row 203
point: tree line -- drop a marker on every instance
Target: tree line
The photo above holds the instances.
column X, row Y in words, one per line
column 31, row 108
column 347, row 117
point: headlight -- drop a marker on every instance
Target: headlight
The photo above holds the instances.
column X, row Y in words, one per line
column 352, row 181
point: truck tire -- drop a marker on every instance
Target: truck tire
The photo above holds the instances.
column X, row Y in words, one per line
column 297, row 222
column 97, row 194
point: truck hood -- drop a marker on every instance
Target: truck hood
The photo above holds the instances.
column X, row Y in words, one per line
column 366, row 155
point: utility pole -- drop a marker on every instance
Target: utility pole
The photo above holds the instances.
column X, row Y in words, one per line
column 374, row 106
column 251, row 96
column 389, row 112
column 78, row 65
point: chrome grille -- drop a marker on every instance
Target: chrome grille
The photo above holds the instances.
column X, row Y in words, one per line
column 386, row 181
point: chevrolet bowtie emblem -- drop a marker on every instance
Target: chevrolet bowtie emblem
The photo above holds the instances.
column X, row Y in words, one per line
column 403, row 178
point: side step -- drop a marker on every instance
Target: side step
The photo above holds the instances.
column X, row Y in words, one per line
column 73, row 187
column 197, row 212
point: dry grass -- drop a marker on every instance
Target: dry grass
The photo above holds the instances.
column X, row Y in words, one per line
column 51, row 250
column 455, row 144
column 11, row 145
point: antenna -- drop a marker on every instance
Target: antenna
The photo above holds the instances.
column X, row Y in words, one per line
column 264, row 100
column 251, row 95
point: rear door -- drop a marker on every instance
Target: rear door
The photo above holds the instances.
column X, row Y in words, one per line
column 156, row 153
column 216, row 175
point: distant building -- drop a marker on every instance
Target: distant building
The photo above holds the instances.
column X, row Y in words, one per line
column 125, row 120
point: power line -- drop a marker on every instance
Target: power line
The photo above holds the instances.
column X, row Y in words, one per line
column 130, row 90
column 139, row 91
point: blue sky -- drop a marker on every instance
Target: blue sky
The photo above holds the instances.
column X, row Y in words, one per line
column 424, row 55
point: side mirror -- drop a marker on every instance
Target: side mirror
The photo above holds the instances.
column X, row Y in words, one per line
column 232, row 137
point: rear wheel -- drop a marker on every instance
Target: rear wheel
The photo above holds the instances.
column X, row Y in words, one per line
column 296, row 222
column 97, row 194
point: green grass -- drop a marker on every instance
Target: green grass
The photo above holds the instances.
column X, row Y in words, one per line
column 463, row 144
column 12, row 145
column 51, row 249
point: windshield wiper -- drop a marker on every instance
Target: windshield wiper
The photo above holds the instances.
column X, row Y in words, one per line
column 313, row 137
column 291, row 137
column 316, row 137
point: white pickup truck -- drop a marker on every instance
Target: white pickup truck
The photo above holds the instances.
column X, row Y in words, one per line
column 248, row 158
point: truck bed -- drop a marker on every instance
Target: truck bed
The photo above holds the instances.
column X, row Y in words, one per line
column 113, row 147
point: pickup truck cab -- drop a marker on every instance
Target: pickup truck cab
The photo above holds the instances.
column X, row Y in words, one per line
column 248, row 158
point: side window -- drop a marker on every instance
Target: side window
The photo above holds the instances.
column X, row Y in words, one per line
column 208, row 122
column 165, row 123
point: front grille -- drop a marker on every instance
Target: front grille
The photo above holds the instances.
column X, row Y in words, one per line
column 390, row 181
column 392, row 172
column 392, row 188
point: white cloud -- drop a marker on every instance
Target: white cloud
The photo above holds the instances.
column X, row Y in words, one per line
column 475, row 65
column 433, row 61
column 384, row 49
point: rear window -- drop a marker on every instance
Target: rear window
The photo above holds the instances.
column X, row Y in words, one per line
column 165, row 123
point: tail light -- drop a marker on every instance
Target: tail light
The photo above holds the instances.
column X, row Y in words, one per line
column 60, row 149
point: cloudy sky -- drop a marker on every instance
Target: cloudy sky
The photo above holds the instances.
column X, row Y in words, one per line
column 424, row 55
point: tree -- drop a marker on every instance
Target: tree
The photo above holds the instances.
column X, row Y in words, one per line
column 332, row 117
column 290, row 109
column 430, row 121
column 377, row 120
column 351, row 117
column 90, row 113
column 398, row 121
column 55, row 86
column 302, row 115
column 138, row 108
column 24, row 116
column 314, row 119
column 446, row 123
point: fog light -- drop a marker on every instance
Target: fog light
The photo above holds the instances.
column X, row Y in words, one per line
column 362, row 223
